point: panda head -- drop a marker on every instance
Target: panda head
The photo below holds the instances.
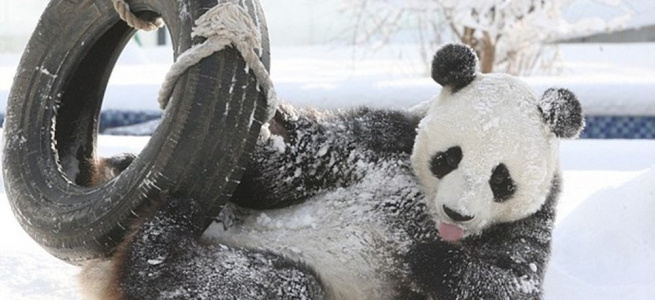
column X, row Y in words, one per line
column 487, row 150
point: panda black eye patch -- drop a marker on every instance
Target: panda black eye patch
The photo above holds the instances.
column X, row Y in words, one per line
column 442, row 163
column 502, row 185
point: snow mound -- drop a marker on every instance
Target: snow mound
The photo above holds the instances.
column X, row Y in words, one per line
column 605, row 248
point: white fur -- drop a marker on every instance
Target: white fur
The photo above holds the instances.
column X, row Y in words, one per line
column 494, row 120
column 330, row 239
column 338, row 255
column 338, row 234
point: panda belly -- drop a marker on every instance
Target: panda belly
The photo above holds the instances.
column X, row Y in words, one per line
column 338, row 234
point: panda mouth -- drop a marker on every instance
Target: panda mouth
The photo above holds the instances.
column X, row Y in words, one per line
column 450, row 232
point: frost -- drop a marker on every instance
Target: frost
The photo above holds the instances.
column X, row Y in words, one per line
column 45, row 71
column 278, row 143
column 321, row 152
column 265, row 221
column 155, row 262
column 295, row 250
column 528, row 284
column 251, row 118
column 493, row 123
column 233, row 83
column 184, row 10
column 257, row 21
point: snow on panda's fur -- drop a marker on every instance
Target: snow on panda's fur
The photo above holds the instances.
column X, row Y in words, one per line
column 363, row 205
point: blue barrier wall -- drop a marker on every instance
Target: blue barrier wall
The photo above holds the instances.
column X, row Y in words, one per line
column 597, row 127
column 619, row 127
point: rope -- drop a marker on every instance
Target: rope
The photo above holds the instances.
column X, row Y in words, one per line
column 123, row 10
column 223, row 25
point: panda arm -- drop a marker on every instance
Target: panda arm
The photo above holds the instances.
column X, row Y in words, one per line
column 507, row 261
column 446, row 271
column 310, row 153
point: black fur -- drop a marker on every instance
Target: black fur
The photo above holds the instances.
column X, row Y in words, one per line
column 442, row 163
column 166, row 260
column 562, row 112
column 501, row 183
column 454, row 66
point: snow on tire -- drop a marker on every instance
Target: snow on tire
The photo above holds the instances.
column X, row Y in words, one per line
column 198, row 151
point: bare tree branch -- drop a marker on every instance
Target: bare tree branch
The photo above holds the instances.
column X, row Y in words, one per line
column 512, row 33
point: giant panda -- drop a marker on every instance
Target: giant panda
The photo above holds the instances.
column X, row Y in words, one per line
column 452, row 200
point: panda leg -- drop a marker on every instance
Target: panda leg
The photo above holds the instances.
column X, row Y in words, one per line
column 166, row 259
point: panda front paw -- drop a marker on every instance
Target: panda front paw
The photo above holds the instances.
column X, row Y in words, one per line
column 434, row 268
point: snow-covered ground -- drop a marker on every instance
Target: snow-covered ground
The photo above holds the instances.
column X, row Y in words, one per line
column 604, row 241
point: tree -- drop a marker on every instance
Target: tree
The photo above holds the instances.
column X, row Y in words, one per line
column 508, row 35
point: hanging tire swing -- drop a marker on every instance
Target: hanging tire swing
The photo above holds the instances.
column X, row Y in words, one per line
column 199, row 150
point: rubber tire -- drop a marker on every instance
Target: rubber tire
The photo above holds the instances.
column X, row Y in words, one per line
column 199, row 150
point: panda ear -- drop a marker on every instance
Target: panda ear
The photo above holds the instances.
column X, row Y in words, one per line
column 454, row 66
column 562, row 112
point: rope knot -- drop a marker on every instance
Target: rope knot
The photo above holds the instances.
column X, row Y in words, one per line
column 228, row 21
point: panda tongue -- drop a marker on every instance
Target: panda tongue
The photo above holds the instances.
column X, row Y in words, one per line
column 450, row 232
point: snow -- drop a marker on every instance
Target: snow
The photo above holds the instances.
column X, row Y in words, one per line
column 622, row 249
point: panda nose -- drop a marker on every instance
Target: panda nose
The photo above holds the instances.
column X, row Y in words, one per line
column 455, row 216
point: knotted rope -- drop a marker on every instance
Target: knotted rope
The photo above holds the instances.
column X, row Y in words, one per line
column 223, row 25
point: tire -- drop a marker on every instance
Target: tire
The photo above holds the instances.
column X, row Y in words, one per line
column 199, row 150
